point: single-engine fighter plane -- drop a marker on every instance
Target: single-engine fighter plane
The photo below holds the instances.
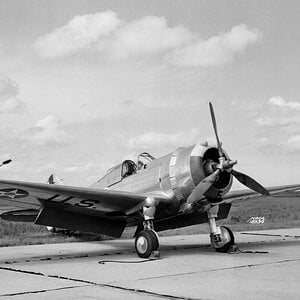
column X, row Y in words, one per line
column 188, row 186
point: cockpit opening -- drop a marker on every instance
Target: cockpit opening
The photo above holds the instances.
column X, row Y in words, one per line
column 143, row 160
column 128, row 168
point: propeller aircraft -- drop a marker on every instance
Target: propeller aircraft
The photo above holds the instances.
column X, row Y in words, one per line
column 188, row 186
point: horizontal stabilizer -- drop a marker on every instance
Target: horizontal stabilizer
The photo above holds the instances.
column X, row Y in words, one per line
column 27, row 215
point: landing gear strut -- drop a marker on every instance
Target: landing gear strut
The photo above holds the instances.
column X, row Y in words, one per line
column 146, row 241
column 221, row 237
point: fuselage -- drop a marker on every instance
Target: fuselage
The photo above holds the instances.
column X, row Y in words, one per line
column 175, row 175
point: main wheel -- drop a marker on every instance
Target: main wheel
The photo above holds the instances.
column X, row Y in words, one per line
column 146, row 241
column 223, row 242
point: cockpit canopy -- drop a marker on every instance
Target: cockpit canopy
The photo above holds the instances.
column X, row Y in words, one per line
column 143, row 159
column 127, row 168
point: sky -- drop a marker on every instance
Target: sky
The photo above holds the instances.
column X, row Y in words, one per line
column 87, row 84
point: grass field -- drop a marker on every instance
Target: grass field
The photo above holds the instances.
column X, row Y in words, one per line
column 278, row 212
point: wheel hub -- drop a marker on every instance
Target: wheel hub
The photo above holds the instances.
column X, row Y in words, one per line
column 142, row 244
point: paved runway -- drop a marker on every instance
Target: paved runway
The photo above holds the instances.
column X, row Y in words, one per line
column 188, row 269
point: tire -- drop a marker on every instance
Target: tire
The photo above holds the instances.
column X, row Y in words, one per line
column 146, row 241
column 226, row 247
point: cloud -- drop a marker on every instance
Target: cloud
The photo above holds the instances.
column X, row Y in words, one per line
column 158, row 139
column 106, row 34
column 294, row 142
column 278, row 121
column 149, row 35
column 78, row 34
column 216, row 50
column 47, row 132
column 9, row 91
column 279, row 117
column 279, row 128
column 278, row 101
column 283, row 145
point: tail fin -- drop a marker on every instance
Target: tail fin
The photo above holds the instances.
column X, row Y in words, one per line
column 55, row 179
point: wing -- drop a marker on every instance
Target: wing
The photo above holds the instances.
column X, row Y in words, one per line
column 249, row 194
column 75, row 208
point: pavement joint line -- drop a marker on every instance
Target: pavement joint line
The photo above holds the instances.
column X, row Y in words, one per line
column 269, row 234
column 222, row 269
column 62, row 257
column 40, row 291
column 140, row 291
column 58, row 257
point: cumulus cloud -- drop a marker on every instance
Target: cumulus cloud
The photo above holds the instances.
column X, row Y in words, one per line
column 47, row 132
column 147, row 36
column 278, row 121
column 279, row 128
column 9, row 91
column 279, row 117
column 105, row 33
column 158, row 139
column 277, row 145
column 278, row 101
column 294, row 142
column 216, row 50
column 78, row 34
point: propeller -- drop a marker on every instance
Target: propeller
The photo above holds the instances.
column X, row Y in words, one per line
column 227, row 165
column 224, row 165
column 213, row 118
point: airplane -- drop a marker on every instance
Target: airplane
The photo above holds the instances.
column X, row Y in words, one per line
column 188, row 186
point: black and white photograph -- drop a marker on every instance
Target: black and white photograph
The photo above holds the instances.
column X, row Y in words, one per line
column 149, row 149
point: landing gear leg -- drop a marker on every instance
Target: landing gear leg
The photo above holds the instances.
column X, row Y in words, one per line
column 221, row 237
column 146, row 241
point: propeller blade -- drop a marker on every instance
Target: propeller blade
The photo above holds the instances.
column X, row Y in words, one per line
column 249, row 182
column 6, row 162
column 213, row 118
column 202, row 187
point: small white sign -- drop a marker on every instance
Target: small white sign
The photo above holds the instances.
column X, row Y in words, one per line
column 256, row 220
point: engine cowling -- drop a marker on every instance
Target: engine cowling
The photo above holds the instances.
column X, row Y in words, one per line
column 189, row 166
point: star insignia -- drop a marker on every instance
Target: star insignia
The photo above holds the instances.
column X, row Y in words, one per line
column 12, row 193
